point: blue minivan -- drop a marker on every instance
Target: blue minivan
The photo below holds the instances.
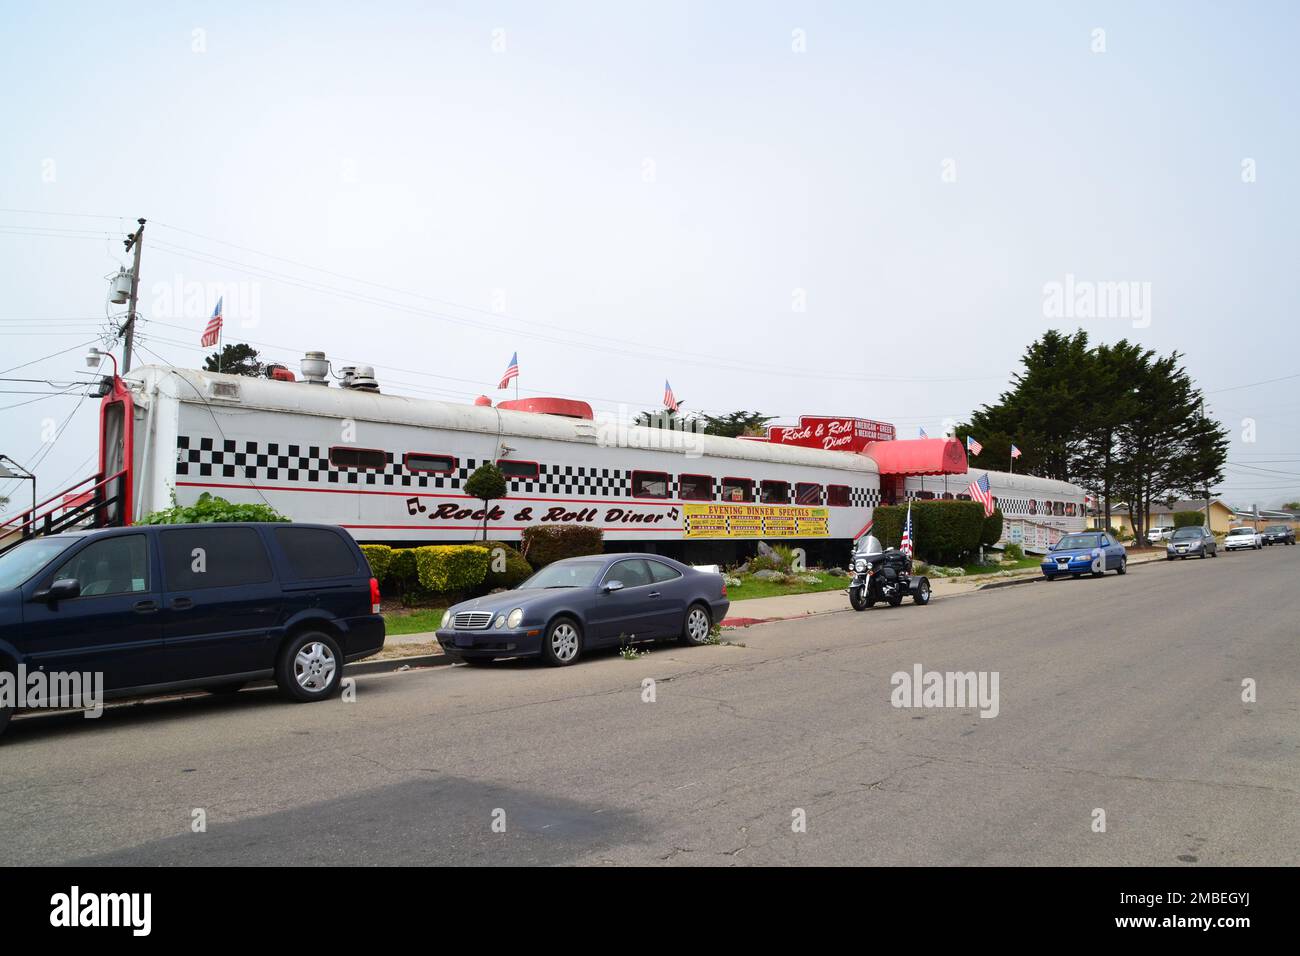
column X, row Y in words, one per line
column 169, row 607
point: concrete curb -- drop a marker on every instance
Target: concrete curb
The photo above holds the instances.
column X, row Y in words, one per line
column 361, row 668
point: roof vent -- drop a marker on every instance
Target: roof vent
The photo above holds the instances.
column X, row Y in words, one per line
column 315, row 367
column 360, row 378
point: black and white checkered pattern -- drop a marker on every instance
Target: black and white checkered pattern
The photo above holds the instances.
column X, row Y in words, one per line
column 202, row 457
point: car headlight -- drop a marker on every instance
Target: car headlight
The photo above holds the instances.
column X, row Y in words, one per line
column 516, row 617
column 446, row 618
column 500, row 622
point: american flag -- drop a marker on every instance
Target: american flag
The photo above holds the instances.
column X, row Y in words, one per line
column 973, row 446
column 906, row 544
column 670, row 400
column 1015, row 452
column 212, row 334
column 979, row 491
column 512, row 371
column 923, row 434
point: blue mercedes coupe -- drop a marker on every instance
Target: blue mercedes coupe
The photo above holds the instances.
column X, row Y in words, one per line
column 579, row 604
column 1088, row 552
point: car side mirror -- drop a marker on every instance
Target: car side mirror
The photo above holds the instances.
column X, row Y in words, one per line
column 61, row 590
column 611, row 586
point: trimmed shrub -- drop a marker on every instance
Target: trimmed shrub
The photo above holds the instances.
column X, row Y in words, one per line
column 1014, row 552
column 943, row 532
column 402, row 571
column 545, row 544
column 1189, row 519
column 992, row 532
column 380, row 557
column 517, row 569
column 452, row 567
column 210, row 509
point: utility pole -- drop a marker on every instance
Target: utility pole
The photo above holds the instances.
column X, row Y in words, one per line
column 136, row 241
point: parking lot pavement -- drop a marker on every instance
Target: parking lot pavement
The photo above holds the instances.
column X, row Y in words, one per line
column 1122, row 695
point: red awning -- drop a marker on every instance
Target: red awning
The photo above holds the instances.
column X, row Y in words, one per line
column 918, row 456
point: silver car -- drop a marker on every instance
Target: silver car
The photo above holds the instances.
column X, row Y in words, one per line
column 1192, row 543
column 1240, row 538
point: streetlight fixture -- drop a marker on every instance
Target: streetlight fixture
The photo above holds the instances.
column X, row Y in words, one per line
column 22, row 474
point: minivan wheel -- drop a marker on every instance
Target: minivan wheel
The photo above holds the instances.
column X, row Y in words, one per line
column 695, row 631
column 310, row 667
column 562, row 644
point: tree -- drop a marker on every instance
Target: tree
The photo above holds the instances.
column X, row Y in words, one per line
column 486, row 484
column 237, row 358
column 666, row 418
column 1291, row 506
column 736, row 424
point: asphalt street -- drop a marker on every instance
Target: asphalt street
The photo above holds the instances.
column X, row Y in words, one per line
column 1122, row 695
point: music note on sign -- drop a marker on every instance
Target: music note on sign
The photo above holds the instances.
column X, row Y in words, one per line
column 414, row 504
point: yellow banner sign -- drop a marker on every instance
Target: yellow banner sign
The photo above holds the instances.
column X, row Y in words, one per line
column 755, row 521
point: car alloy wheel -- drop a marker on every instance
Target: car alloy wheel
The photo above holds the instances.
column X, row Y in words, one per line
column 313, row 667
column 1123, row 566
column 563, row 643
column 697, row 625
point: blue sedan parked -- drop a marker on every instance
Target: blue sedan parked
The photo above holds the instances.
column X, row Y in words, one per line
column 1088, row 552
column 579, row 604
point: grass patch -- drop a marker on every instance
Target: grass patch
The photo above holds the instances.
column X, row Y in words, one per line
column 750, row 587
column 397, row 623
column 1030, row 561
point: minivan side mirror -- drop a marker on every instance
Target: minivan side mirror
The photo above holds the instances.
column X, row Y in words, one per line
column 63, row 589
column 611, row 586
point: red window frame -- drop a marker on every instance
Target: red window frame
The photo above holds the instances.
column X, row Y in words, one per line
column 537, row 471
column 358, row 451
column 839, row 496
column 667, row 480
column 762, row 491
column 406, row 463
column 681, row 488
column 798, row 492
column 747, row 483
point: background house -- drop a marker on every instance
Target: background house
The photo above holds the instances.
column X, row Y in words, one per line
column 1248, row 518
column 1222, row 515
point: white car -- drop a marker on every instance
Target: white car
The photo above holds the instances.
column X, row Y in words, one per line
column 1239, row 538
column 1160, row 534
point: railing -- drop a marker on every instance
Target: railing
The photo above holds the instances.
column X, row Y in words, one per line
column 91, row 507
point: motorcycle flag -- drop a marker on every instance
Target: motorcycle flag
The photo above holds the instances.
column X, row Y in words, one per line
column 212, row 334
column 670, row 401
column 973, row 446
column 979, row 491
column 1015, row 452
column 906, row 544
column 512, row 371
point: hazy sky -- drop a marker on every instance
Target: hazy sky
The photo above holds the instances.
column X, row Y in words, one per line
column 843, row 208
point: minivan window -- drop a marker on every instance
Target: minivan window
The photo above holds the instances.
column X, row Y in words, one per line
column 315, row 553
column 20, row 562
column 198, row 558
column 116, row 565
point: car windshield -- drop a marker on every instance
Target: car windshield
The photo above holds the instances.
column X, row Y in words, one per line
column 1240, row 531
column 1274, row 528
column 566, row 574
column 1183, row 533
column 1072, row 541
column 19, row 563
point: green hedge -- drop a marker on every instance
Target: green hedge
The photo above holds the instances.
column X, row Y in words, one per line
column 943, row 532
column 452, row 567
column 210, row 509
column 1188, row 519
column 517, row 569
column 544, row 544
column 380, row 557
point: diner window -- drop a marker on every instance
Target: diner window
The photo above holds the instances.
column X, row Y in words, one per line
column 650, row 484
column 421, row 461
column 518, row 470
column 737, row 489
column 695, row 487
column 1071, row 509
column 774, row 492
column 807, row 493
column 837, row 496
column 363, row 459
